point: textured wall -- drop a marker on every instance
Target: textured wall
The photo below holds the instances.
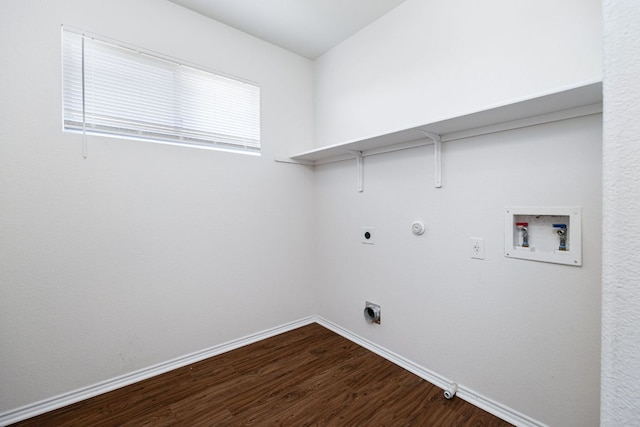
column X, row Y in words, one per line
column 621, row 223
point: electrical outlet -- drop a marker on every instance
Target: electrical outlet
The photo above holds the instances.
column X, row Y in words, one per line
column 477, row 247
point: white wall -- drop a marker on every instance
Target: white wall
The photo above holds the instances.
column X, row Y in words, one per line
column 427, row 60
column 522, row 333
column 142, row 252
column 621, row 233
column 138, row 254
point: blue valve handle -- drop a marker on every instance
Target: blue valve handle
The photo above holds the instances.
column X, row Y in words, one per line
column 559, row 225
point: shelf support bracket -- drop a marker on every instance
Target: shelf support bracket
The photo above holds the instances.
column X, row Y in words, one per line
column 360, row 166
column 437, row 156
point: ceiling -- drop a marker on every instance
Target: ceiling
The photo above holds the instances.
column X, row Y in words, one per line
column 306, row 27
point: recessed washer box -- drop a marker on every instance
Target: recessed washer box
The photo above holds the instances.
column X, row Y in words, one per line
column 544, row 233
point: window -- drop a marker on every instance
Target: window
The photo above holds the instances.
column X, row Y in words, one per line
column 119, row 91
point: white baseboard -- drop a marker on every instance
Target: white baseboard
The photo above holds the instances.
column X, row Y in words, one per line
column 78, row 395
column 464, row 393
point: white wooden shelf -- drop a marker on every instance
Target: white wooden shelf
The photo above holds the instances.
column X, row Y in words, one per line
column 560, row 105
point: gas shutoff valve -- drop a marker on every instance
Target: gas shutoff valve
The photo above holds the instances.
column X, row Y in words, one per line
column 562, row 234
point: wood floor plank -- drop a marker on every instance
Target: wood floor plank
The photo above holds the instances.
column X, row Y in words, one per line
column 306, row 377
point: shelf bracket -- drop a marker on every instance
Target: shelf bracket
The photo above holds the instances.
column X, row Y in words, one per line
column 360, row 166
column 437, row 156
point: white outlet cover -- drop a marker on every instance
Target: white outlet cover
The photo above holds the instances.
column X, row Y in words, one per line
column 476, row 247
column 368, row 235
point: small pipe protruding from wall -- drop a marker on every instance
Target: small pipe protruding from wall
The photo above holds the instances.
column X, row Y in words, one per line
column 450, row 392
column 524, row 228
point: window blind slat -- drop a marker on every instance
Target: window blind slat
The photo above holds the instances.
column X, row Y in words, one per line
column 138, row 95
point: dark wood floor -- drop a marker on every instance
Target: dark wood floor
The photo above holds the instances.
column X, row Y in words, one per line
column 306, row 377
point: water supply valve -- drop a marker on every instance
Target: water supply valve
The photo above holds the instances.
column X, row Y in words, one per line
column 524, row 230
column 562, row 234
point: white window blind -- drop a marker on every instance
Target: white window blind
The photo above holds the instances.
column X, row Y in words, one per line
column 117, row 91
